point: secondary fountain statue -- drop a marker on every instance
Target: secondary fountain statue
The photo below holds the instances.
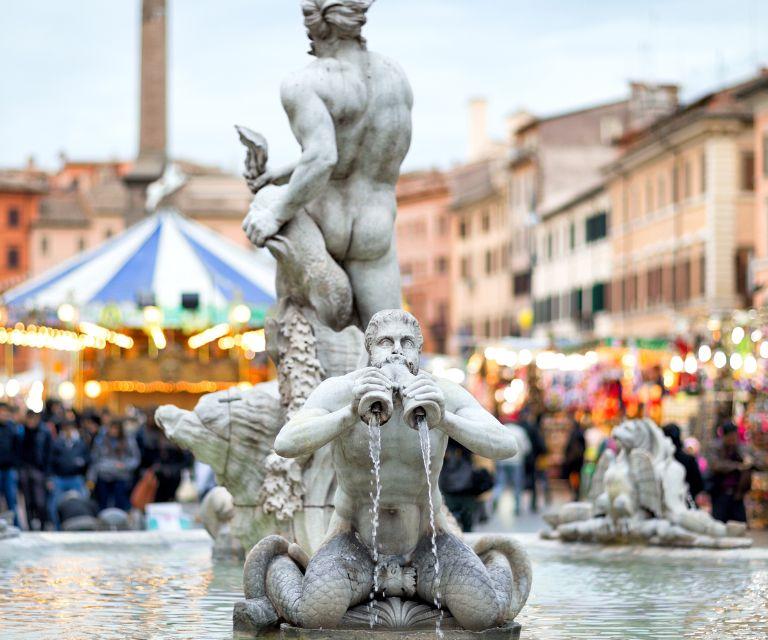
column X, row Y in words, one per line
column 640, row 497
column 389, row 559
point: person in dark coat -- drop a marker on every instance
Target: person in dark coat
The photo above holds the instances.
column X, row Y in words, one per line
column 70, row 458
column 573, row 457
column 692, row 470
column 457, row 483
column 10, row 452
column 731, row 476
column 164, row 457
column 115, row 457
column 35, row 460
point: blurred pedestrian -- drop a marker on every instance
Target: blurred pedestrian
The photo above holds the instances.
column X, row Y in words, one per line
column 69, row 463
column 35, row 461
column 692, row 471
column 511, row 472
column 573, row 457
column 535, row 460
column 10, row 452
column 731, row 476
column 166, row 459
column 115, row 457
column 457, row 484
column 90, row 427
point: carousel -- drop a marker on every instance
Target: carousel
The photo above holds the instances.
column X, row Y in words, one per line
column 163, row 312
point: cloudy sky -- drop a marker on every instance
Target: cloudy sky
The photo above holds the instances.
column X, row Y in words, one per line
column 70, row 69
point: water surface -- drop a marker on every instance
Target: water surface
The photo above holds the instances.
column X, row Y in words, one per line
column 104, row 588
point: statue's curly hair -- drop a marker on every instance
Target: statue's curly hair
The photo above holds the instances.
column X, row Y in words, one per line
column 391, row 315
column 342, row 19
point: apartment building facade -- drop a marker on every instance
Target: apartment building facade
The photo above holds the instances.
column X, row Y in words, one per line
column 684, row 225
column 425, row 248
column 572, row 278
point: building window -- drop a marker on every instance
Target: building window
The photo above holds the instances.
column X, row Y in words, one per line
column 108, row 234
column 521, row 283
column 466, row 267
column 747, row 171
column 486, row 220
column 13, row 217
column 464, row 228
column 488, row 262
column 765, row 155
column 687, row 179
column 648, row 196
column 675, row 184
column 81, row 244
column 441, row 264
column 660, row 192
column 44, row 245
column 703, row 274
column 550, row 243
column 572, row 236
column 597, row 227
column 703, row 172
column 12, row 259
column 599, row 297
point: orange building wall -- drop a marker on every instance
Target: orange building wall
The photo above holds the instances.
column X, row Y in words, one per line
column 424, row 245
column 16, row 237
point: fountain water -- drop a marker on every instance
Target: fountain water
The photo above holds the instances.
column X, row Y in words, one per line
column 426, row 454
column 374, row 448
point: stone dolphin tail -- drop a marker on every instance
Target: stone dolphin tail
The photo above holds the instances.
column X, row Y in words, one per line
column 512, row 590
column 308, row 275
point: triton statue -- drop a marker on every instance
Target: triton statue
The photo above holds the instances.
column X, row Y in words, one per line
column 393, row 541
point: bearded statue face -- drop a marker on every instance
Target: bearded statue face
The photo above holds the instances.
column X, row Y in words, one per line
column 395, row 343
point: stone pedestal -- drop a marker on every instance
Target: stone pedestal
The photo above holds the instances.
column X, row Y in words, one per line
column 510, row 631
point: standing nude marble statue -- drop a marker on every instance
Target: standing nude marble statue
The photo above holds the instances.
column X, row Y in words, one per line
column 480, row 588
column 350, row 111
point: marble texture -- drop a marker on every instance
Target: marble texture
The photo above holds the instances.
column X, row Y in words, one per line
column 481, row 587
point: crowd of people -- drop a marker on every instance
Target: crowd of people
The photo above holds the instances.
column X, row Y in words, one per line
column 94, row 455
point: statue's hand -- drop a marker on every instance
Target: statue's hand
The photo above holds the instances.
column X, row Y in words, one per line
column 260, row 225
column 257, row 181
column 372, row 385
column 423, row 389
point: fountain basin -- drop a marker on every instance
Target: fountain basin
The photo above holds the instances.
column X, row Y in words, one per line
column 165, row 585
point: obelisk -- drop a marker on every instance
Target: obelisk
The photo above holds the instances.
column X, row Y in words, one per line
column 151, row 159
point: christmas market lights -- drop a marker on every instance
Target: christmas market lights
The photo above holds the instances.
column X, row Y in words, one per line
column 208, row 336
column 119, row 339
column 41, row 337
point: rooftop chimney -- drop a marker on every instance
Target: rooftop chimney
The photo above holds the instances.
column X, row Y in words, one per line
column 478, row 129
column 152, row 124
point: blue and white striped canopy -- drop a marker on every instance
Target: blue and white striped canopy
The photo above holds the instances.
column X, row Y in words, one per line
column 160, row 259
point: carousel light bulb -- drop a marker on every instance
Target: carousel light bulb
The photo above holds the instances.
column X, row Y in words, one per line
column 705, row 353
column 720, row 359
column 152, row 315
column 690, row 365
column 750, row 364
column 737, row 335
column 66, row 391
column 756, row 335
column 764, row 349
column 737, row 361
column 240, row 314
column 67, row 313
column 92, row 389
column 12, row 388
column 676, row 364
column 525, row 358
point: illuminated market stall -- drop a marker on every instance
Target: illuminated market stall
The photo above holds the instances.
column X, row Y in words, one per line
column 163, row 312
